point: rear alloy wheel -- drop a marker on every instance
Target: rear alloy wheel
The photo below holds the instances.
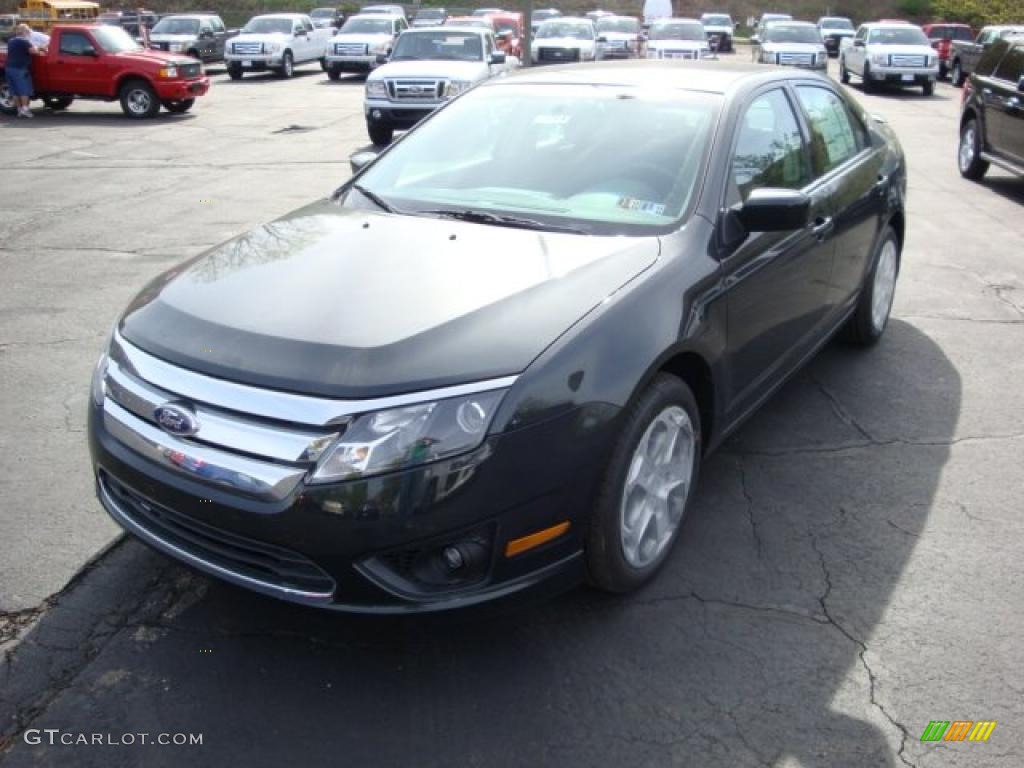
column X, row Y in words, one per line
column 178, row 107
column 869, row 320
column 647, row 488
column 7, row 105
column 138, row 100
column 968, row 156
column 58, row 103
column 956, row 75
column 287, row 65
column 380, row 135
column 235, row 71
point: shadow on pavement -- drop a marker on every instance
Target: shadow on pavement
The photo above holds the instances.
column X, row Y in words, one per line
column 751, row 646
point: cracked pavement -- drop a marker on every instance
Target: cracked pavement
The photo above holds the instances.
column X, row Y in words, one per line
column 850, row 571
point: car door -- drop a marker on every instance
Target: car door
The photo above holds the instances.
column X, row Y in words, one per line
column 220, row 34
column 1004, row 101
column 206, row 42
column 777, row 283
column 855, row 53
column 844, row 158
column 80, row 65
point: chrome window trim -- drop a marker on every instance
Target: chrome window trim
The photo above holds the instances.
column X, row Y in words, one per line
column 201, row 563
column 255, row 478
column 275, row 404
column 226, row 431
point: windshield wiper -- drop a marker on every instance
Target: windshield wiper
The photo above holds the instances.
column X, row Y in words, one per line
column 501, row 220
column 376, row 199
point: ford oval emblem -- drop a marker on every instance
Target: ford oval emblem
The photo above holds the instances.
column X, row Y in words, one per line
column 176, row 420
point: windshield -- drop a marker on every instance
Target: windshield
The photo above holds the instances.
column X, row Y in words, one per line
column 467, row 22
column 604, row 159
column 507, row 25
column 430, row 13
column 356, row 25
column 903, row 35
column 768, row 18
column 951, row 33
column 269, row 27
column 715, row 20
column 115, row 40
column 618, row 25
column 322, row 13
column 577, row 31
column 177, row 27
column 677, row 31
column 836, row 24
column 438, row 45
column 786, row 33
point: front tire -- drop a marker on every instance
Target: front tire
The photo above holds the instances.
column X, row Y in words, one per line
column 647, row 488
column 334, row 73
column 179, row 107
column 380, row 135
column 956, row 75
column 928, row 86
column 844, row 73
column 58, row 103
column 871, row 317
column 138, row 100
column 287, row 68
column 323, row 63
column 235, row 71
column 968, row 158
column 7, row 105
column 866, row 82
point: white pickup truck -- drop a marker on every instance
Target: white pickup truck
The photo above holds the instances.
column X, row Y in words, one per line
column 361, row 40
column 276, row 41
column 899, row 54
column 427, row 68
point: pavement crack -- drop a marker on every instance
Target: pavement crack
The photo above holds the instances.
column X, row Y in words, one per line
column 850, row 447
column 750, row 508
column 839, row 410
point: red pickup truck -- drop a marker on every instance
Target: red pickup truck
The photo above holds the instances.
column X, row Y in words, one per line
column 93, row 61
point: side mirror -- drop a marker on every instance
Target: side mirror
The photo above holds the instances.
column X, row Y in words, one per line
column 206, row 34
column 858, row 43
column 382, row 58
column 755, row 39
column 89, row 51
column 360, row 160
column 302, row 33
column 498, row 57
column 602, row 39
column 774, row 210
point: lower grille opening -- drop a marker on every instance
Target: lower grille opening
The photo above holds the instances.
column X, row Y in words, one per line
column 267, row 563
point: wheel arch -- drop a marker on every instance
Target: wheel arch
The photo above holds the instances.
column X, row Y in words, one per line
column 127, row 77
column 898, row 222
column 695, row 372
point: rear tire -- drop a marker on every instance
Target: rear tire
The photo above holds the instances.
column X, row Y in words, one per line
column 58, row 103
column 968, row 157
column 138, row 100
column 871, row 317
column 957, row 74
column 235, row 71
column 381, row 135
column 647, row 488
column 178, row 107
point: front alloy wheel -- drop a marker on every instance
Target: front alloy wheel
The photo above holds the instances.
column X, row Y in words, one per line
column 647, row 488
column 287, row 65
column 138, row 100
column 968, row 156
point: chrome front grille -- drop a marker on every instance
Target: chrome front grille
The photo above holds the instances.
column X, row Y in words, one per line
column 189, row 71
column 678, row 53
column 415, row 90
column 906, row 60
column 558, row 54
column 796, row 59
column 350, row 49
column 244, row 48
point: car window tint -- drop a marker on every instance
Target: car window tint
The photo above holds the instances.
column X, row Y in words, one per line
column 770, row 149
column 833, row 138
column 1011, row 68
column 74, row 43
column 218, row 25
column 990, row 59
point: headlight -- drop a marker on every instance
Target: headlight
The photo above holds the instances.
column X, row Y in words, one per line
column 380, row 48
column 273, row 47
column 168, row 72
column 881, row 59
column 99, row 384
column 376, row 89
column 400, row 438
column 177, row 47
column 455, row 87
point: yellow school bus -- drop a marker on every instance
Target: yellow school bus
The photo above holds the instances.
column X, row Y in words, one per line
column 43, row 15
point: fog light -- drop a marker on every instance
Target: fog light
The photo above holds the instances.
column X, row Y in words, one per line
column 453, row 559
column 376, row 114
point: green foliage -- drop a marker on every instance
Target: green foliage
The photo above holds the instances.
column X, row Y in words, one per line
column 978, row 13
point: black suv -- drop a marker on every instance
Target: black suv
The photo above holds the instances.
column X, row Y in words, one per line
column 992, row 116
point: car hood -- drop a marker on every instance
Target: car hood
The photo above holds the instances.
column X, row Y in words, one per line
column 460, row 70
column 676, row 45
column 343, row 303
column 902, row 50
column 171, row 38
column 251, row 37
column 718, row 29
column 561, row 42
column 630, row 37
column 792, row 47
column 350, row 37
column 837, row 33
column 149, row 56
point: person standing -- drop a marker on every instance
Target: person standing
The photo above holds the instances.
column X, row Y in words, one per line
column 19, row 68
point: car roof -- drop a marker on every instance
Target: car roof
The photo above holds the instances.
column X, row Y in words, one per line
column 709, row 77
column 675, row 20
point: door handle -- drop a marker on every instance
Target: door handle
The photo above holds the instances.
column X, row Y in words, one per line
column 822, row 227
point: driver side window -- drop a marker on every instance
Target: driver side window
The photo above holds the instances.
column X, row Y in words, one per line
column 74, row 44
column 769, row 149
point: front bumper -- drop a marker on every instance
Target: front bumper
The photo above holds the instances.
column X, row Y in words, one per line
column 720, row 41
column 179, row 90
column 356, row 546
column 401, row 117
column 905, row 75
column 256, row 62
column 352, row 63
column 615, row 52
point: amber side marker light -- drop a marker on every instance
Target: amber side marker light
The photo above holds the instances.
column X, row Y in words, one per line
column 520, row 545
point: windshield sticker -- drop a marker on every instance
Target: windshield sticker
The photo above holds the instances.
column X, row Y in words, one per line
column 646, row 206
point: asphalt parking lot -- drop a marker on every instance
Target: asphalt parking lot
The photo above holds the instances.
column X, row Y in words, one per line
column 850, row 572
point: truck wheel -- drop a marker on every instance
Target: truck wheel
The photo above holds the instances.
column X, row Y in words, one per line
column 138, row 100
column 957, row 74
column 844, row 73
column 380, row 135
column 287, row 68
column 323, row 63
column 178, row 107
column 968, row 156
column 866, row 82
column 58, row 103
column 6, row 100
column 928, row 86
column 334, row 73
column 235, row 71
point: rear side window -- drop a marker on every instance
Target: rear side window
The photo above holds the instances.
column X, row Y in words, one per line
column 1011, row 68
column 770, row 148
column 991, row 58
column 74, row 43
column 835, row 138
